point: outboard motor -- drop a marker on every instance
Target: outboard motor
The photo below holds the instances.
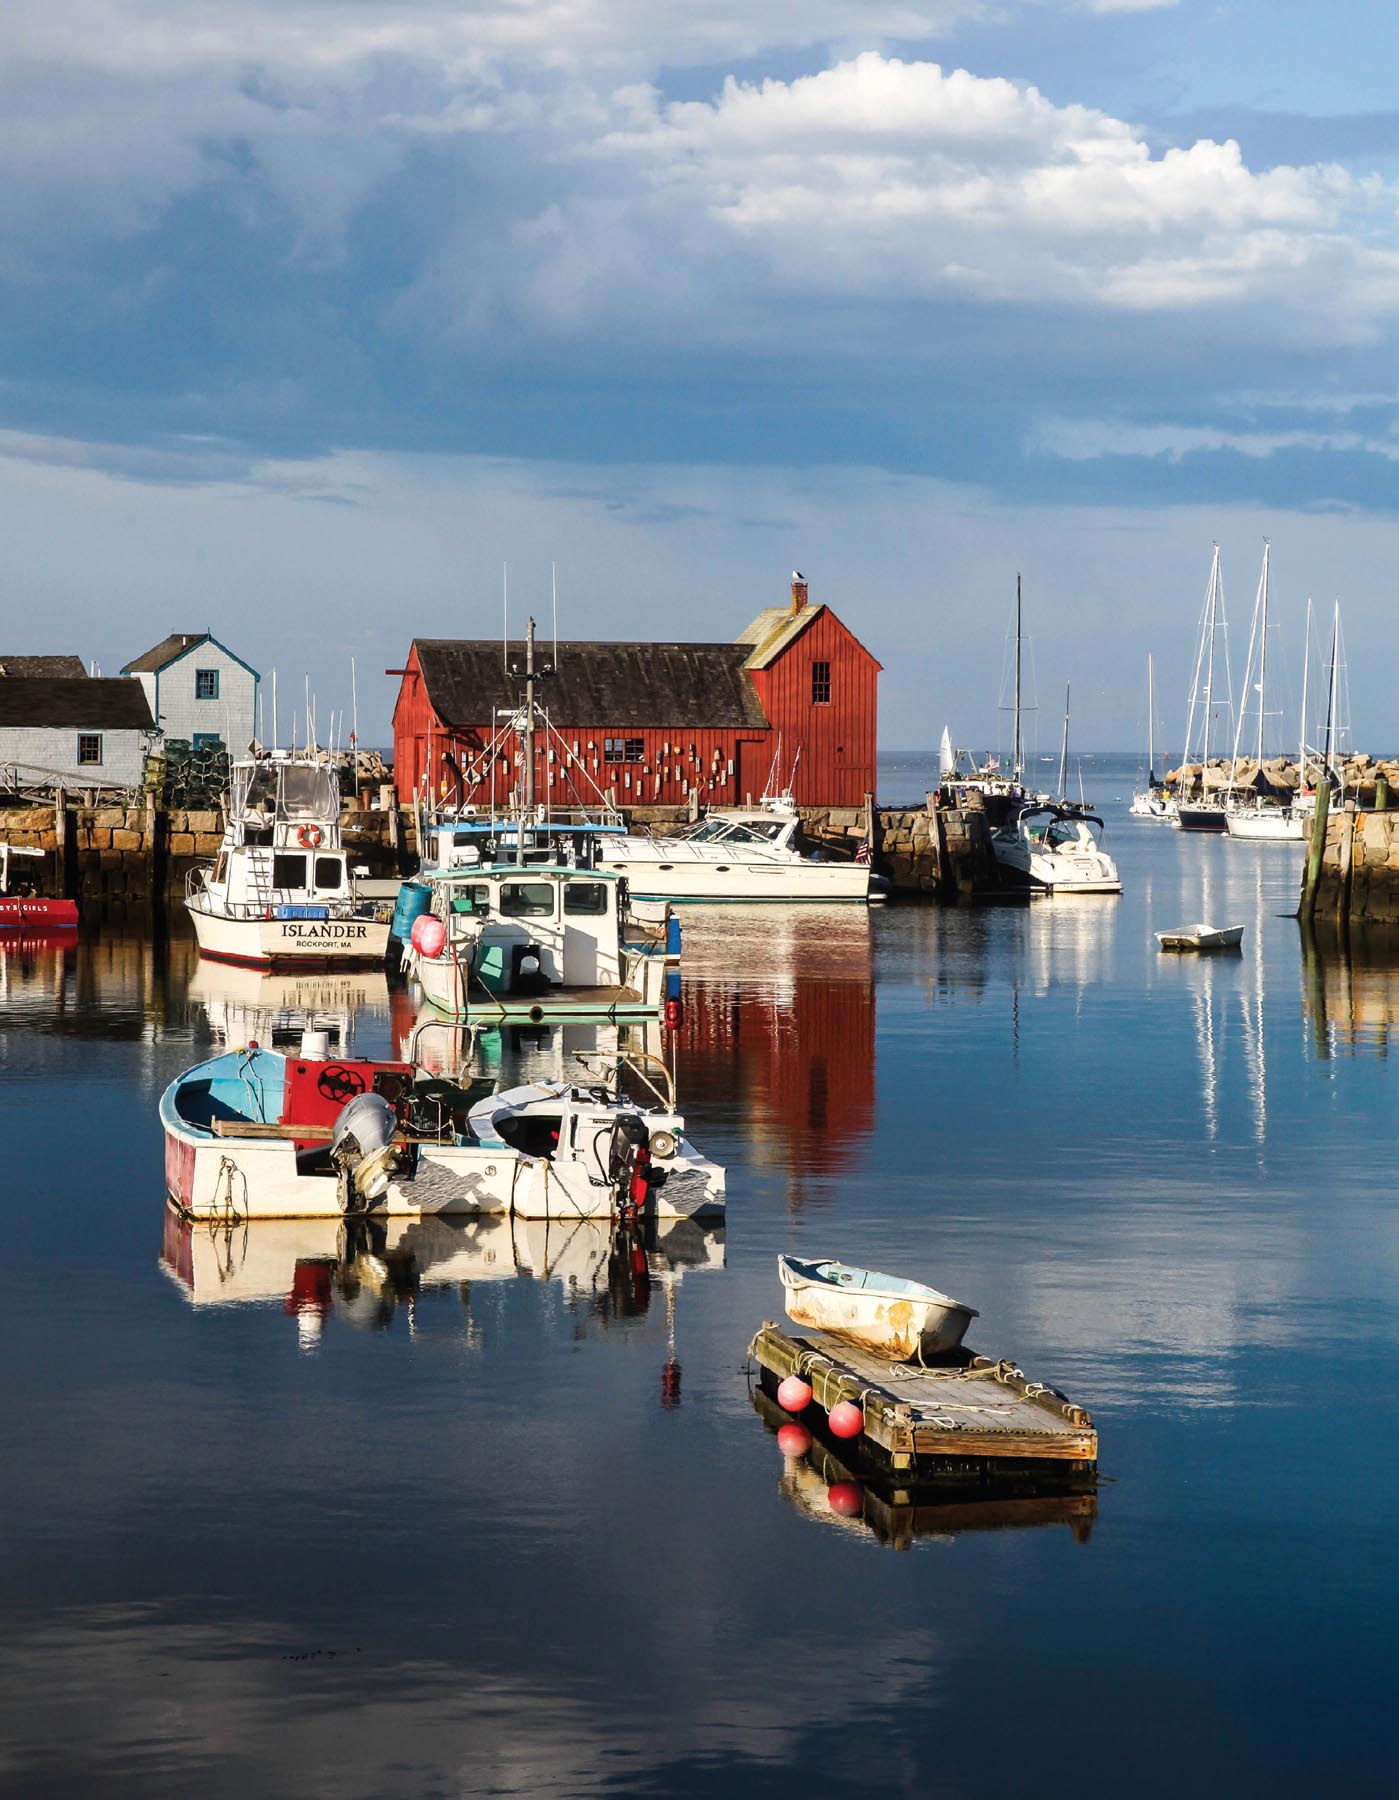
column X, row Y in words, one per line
column 363, row 1150
column 629, row 1164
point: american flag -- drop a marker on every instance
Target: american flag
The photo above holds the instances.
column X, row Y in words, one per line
column 862, row 855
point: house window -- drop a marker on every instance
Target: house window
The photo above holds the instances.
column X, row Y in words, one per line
column 820, row 684
column 89, row 750
column 619, row 750
column 206, row 684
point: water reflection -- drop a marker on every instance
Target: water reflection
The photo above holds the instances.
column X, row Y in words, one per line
column 273, row 1009
column 780, row 1007
column 838, row 1491
column 368, row 1272
column 1350, row 988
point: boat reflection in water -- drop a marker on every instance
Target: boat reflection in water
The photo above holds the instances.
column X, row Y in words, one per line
column 244, row 1006
column 779, row 1007
column 366, row 1272
column 834, row 1488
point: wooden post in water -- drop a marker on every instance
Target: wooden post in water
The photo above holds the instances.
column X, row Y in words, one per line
column 1347, row 855
column 1381, row 793
column 1317, row 850
column 872, row 828
column 61, row 856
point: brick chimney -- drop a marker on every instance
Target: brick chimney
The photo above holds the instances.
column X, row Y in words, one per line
column 798, row 592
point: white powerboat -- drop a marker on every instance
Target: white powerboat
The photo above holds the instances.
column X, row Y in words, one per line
column 739, row 853
column 1053, row 850
column 884, row 1313
column 253, row 1134
column 281, row 890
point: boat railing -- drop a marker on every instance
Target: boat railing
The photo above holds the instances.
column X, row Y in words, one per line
column 611, row 1067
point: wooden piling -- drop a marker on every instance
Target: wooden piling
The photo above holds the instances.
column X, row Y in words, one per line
column 1381, row 793
column 1317, row 849
column 1347, row 856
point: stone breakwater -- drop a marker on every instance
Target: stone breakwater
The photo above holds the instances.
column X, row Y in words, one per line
column 1360, row 867
column 122, row 860
column 1360, row 775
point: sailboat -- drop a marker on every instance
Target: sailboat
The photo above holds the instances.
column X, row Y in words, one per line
column 1263, row 817
column 1154, row 802
column 1202, row 812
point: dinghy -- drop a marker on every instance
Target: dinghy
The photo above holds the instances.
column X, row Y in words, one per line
column 897, row 1318
column 1201, row 937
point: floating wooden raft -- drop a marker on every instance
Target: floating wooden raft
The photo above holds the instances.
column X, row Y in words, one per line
column 968, row 1410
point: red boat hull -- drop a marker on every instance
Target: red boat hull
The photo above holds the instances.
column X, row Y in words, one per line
column 29, row 912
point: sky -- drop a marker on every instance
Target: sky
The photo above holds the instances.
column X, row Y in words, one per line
column 315, row 314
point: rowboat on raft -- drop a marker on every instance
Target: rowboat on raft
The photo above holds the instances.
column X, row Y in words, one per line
column 897, row 1318
column 1201, row 937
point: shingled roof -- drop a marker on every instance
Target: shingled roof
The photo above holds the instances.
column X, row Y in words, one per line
column 69, row 668
column 165, row 652
column 773, row 629
column 684, row 685
column 99, row 703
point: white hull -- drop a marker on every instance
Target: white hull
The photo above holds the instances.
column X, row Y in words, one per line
column 1202, row 937
column 903, row 1321
column 231, row 1179
column 264, row 942
column 447, row 990
column 1270, row 825
column 657, row 871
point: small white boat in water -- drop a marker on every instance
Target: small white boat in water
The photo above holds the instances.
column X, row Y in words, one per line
column 897, row 1318
column 1201, row 937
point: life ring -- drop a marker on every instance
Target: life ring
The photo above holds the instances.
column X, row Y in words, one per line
column 309, row 837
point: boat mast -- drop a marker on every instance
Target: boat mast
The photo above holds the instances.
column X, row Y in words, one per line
column 1150, row 739
column 1209, row 669
column 1302, row 734
column 1018, row 760
column 527, row 741
column 1064, row 748
column 1263, row 657
column 1331, row 697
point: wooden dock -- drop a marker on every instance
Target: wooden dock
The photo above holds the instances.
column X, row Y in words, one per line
column 965, row 1413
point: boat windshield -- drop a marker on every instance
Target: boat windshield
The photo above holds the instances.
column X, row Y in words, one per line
column 309, row 791
column 707, row 831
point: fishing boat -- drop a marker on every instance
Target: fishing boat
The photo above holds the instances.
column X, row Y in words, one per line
column 23, row 910
column 1151, row 802
column 884, row 1313
column 255, row 1134
column 524, row 919
column 281, row 890
column 1201, row 937
column 1203, row 812
column 1053, row 850
column 738, row 853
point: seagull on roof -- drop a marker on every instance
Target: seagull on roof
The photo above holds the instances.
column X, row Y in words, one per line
column 797, row 575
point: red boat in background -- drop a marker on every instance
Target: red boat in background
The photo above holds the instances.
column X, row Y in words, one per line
column 21, row 911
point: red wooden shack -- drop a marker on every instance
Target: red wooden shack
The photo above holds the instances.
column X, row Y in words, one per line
column 651, row 722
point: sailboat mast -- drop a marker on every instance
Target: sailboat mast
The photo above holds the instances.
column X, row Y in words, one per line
column 1263, row 656
column 1302, row 734
column 1209, row 669
column 1150, row 724
column 1331, row 697
column 1018, row 760
column 1064, row 747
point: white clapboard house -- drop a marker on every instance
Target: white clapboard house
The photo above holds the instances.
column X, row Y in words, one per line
column 83, row 732
column 199, row 691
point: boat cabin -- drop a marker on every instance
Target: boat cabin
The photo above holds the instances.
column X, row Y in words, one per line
column 524, row 927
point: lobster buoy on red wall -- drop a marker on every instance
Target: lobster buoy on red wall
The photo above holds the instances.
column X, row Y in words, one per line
column 428, row 935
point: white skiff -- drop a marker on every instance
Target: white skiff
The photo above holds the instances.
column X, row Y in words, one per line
column 897, row 1318
column 1201, row 937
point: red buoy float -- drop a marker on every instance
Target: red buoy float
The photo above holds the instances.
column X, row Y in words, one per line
column 846, row 1419
column 794, row 1394
column 428, row 935
column 793, row 1440
column 846, row 1498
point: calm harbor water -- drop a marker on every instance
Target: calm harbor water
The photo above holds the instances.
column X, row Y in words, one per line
column 520, row 1530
